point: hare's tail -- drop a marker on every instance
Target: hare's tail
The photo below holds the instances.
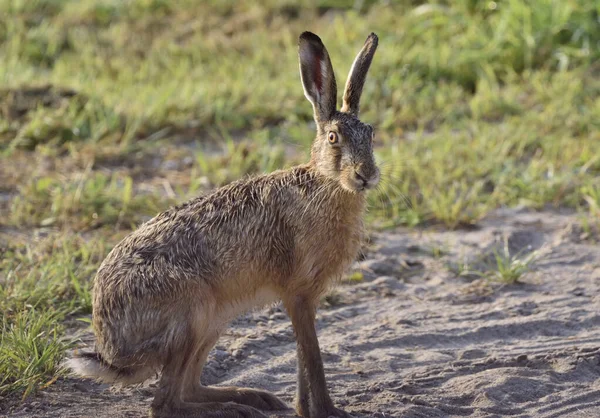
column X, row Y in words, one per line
column 93, row 365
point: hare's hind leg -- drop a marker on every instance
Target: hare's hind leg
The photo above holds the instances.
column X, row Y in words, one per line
column 253, row 398
column 195, row 392
column 170, row 401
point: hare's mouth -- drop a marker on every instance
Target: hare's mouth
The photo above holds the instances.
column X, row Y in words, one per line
column 358, row 183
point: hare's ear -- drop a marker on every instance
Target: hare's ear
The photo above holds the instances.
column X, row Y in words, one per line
column 358, row 74
column 317, row 75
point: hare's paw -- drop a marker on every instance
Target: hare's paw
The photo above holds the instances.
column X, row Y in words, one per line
column 329, row 413
column 303, row 408
column 339, row 413
column 241, row 411
column 259, row 399
column 207, row 410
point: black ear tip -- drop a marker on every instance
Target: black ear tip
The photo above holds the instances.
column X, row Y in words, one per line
column 310, row 37
column 373, row 38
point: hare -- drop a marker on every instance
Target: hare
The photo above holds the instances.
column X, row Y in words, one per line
column 165, row 293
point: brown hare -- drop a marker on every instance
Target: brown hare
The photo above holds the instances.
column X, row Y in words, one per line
column 165, row 293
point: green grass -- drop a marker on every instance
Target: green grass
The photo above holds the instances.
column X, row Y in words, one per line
column 89, row 200
column 111, row 111
column 53, row 273
column 591, row 194
column 42, row 283
column 509, row 269
column 500, row 266
column 31, row 348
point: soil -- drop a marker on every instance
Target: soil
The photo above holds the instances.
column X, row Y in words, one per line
column 410, row 337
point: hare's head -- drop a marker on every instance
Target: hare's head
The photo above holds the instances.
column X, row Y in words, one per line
column 343, row 148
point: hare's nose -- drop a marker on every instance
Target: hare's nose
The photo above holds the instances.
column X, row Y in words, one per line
column 360, row 178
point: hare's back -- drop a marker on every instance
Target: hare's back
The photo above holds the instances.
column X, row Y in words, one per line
column 240, row 228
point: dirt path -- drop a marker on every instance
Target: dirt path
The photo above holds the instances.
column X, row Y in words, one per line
column 414, row 340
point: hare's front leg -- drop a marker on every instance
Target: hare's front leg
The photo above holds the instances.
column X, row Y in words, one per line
column 313, row 399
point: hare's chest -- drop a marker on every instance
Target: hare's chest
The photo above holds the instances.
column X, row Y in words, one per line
column 346, row 243
column 330, row 250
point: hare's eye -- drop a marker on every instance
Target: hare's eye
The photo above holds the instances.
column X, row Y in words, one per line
column 332, row 137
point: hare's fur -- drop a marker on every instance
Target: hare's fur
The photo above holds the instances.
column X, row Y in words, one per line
column 165, row 293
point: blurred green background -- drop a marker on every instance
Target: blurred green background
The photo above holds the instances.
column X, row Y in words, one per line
column 111, row 111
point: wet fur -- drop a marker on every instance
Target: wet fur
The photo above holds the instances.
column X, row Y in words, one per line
column 165, row 293
column 212, row 255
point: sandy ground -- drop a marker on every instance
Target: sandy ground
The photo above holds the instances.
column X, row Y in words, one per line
column 414, row 340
